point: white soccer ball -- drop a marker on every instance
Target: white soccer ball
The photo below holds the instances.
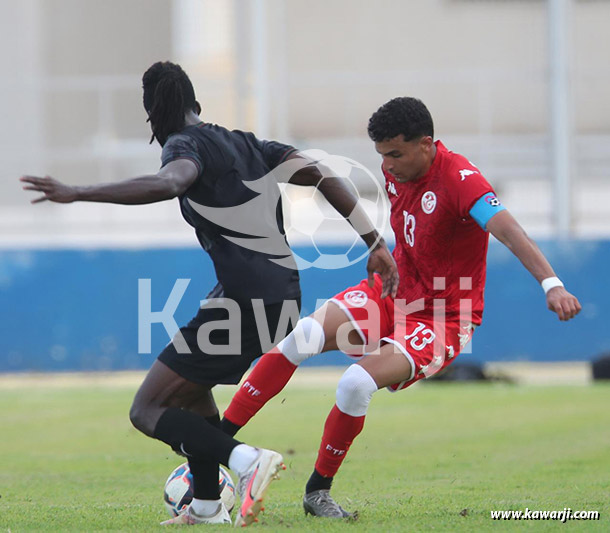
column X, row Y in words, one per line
column 178, row 491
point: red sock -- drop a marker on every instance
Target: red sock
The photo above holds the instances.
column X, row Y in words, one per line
column 268, row 377
column 340, row 430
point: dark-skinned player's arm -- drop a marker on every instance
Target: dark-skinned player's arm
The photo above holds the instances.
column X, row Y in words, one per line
column 508, row 231
column 172, row 180
column 341, row 194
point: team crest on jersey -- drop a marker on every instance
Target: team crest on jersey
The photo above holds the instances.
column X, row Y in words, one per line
column 428, row 202
column 356, row 298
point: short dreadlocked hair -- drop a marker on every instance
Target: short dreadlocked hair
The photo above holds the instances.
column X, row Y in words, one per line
column 403, row 115
column 168, row 94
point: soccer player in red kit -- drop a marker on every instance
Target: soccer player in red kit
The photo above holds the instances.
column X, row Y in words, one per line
column 442, row 211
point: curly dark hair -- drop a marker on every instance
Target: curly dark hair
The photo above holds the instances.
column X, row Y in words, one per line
column 405, row 115
column 168, row 94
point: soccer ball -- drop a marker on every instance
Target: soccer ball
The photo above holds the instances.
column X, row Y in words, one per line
column 178, row 491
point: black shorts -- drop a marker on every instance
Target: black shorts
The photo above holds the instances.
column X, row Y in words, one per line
column 224, row 363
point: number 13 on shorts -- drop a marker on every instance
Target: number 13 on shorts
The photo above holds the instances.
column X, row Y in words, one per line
column 420, row 337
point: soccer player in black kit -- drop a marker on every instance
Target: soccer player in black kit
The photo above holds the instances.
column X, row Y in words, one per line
column 206, row 164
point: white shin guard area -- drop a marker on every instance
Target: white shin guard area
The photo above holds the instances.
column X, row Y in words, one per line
column 304, row 341
column 355, row 390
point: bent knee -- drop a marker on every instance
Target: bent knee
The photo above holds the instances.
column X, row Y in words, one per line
column 304, row 341
column 355, row 390
column 141, row 418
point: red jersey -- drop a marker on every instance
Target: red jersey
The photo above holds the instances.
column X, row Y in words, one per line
column 440, row 249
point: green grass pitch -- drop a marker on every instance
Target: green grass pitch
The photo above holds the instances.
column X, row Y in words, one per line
column 437, row 457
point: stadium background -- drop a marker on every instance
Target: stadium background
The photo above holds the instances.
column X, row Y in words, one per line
column 310, row 73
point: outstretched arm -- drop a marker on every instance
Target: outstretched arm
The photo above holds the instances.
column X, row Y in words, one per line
column 507, row 230
column 341, row 195
column 171, row 181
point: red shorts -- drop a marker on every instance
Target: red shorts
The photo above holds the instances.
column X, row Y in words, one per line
column 430, row 345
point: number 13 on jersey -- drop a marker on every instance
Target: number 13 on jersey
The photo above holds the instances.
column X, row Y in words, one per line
column 409, row 229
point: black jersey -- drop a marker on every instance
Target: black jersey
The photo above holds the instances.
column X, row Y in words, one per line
column 226, row 160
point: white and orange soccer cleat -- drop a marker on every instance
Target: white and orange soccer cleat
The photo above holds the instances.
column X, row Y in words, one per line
column 253, row 485
column 188, row 517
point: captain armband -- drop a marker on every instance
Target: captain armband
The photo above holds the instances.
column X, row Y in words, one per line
column 485, row 208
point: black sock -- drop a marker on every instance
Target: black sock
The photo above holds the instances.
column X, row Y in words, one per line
column 192, row 435
column 318, row 482
column 214, row 420
column 229, row 427
column 205, row 472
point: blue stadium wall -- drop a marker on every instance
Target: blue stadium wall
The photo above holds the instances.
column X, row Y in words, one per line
column 74, row 310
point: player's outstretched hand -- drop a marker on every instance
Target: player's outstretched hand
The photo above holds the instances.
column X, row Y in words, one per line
column 53, row 190
column 381, row 261
column 563, row 303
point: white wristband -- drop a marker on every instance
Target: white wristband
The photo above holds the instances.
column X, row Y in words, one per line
column 550, row 283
